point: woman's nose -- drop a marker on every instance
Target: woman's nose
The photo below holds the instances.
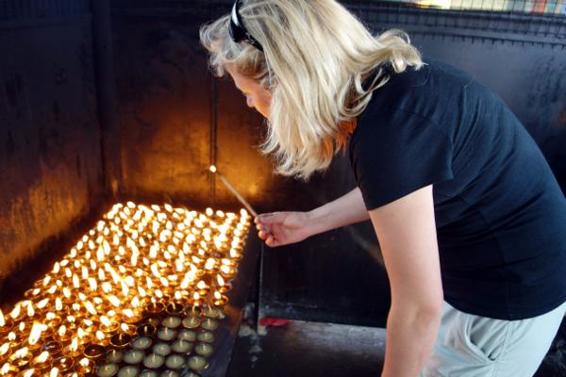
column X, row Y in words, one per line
column 249, row 102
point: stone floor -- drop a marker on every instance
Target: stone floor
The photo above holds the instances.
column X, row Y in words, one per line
column 312, row 349
column 309, row 349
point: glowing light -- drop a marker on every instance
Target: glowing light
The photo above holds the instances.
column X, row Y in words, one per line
column 105, row 321
column 43, row 303
column 42, row 357
column 62, row 331
column 85, row 362
column 74, row 344
column 21, row 353
column 15, row 313
column 4, row 348
column 58, row 304
column 100, row 335
column 134, row 255
column 114, row 300
column 81, row 333
column 90, row 308
column 35, row 333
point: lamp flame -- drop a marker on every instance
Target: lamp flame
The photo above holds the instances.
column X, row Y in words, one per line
column 105, row 321
column 128, row 313
column 62, row 330
column 42, row 357
column 43, row 303
column 36, row 331
column 21, row 353
column 4, row 349
column 100, row 335
column 15, row 313
column 74, row 344
column 90, row 308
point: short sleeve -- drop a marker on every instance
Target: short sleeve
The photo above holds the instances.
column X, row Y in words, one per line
column 397, row 153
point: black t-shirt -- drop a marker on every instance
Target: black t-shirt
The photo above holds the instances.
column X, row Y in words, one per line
column 500, row 214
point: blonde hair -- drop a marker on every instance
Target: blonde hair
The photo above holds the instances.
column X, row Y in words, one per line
column 316, row 55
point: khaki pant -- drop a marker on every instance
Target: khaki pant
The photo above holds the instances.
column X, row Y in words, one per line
column 474, row 346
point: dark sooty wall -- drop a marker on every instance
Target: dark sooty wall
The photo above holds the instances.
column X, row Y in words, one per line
column 164, row 102
column 49, row 135
column 175, row 119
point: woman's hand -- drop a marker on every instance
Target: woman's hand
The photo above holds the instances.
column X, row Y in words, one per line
column 283, row 228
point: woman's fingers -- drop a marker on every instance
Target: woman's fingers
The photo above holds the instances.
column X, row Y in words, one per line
column 270, row 241
column 263, row 231
column 265, row 223
column 263, row 234
column 261, row 227
column 270, row 218
column 268, row 238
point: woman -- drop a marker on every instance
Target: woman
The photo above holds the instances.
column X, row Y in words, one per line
column 469, row 217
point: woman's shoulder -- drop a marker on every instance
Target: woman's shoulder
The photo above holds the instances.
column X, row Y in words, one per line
column 423, row 93
column 432, row 77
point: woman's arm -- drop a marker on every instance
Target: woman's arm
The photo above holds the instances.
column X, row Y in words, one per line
column 282, row 228
column 407, row 235
column 347, row 209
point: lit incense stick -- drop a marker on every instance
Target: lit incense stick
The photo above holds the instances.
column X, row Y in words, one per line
column 233, row 190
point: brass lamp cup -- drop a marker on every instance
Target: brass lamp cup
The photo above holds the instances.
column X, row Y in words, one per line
column 175, row 308
column 120, row 340
column 146, row 330
column 93, row 351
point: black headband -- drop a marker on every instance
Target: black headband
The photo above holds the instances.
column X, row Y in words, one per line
column 238, row 31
